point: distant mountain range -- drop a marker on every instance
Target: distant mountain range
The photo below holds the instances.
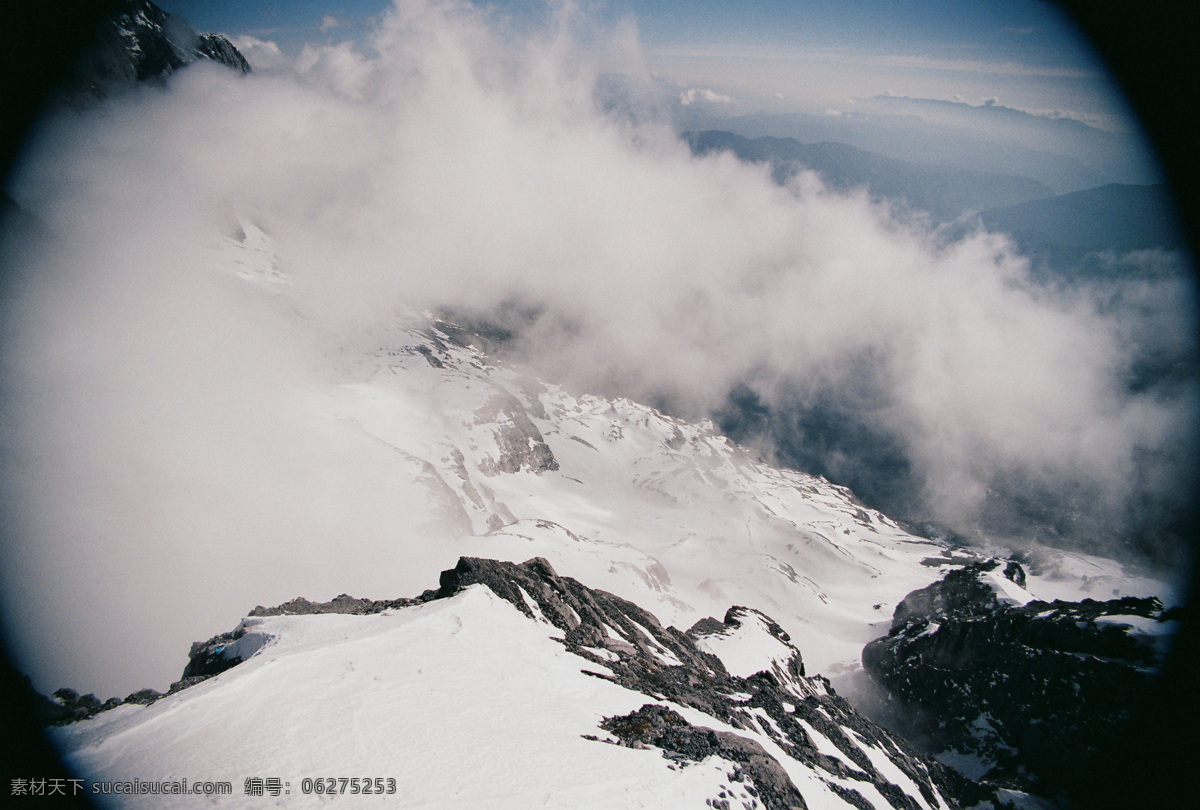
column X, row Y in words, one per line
column 1113, row 217
column 1110, row 154
column 943, row 191
column 1061, row 228
column 1062, row 153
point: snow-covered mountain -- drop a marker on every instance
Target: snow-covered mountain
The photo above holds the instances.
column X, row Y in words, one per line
column 138, row 41
column 663, row 512
column 513, row 687
column 944, row 192
column 215, row 396
column 520, row 685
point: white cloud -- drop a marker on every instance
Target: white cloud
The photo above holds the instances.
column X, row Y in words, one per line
column 261, row 54
column 694, row 94
column 340, row 68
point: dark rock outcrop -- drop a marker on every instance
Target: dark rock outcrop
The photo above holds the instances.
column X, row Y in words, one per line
column 144, row 697
column 1028, row 694
column 219, row 49
column 635, row 651
column 342, row 603
column 519, row 441
column 208, row 658
column 68, row 706
column 959, row 594
column 760, row 775
column 140, row 42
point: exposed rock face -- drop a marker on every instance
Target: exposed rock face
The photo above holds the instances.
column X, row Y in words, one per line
column 219, row 49
column 141, row 42
column 520, row 442
column 1025, row 693
column 960, row 594
column 68, row 706
column 742, row 672
column 343, row 603
column 667, row 664
column 208, row 658
column 761, row 776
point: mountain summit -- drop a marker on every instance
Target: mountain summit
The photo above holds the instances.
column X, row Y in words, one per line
column 140, row 42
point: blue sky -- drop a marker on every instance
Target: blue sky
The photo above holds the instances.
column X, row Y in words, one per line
column 1010, row 25
column 786, row 54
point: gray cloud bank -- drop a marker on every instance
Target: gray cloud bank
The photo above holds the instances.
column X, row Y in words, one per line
column 154, row 450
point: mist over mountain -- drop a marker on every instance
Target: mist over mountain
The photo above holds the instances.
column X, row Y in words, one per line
column 945, row 192
column 1120, row 245
column 1117, row 155
column 454, row 169
column 1064, row 154
column 334, row 324
column 1114, row 217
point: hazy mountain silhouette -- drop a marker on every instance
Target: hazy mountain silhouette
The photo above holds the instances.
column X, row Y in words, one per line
column 943, row 191
column 1113, row 217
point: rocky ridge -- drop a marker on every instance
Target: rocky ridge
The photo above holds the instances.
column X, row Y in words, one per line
column 140, row 42
column 776, row 705
column 1024, row 695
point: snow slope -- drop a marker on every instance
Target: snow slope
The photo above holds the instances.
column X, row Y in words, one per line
column 464, row 701
column 468, row 701
column 666, row 513
column 384, row 696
